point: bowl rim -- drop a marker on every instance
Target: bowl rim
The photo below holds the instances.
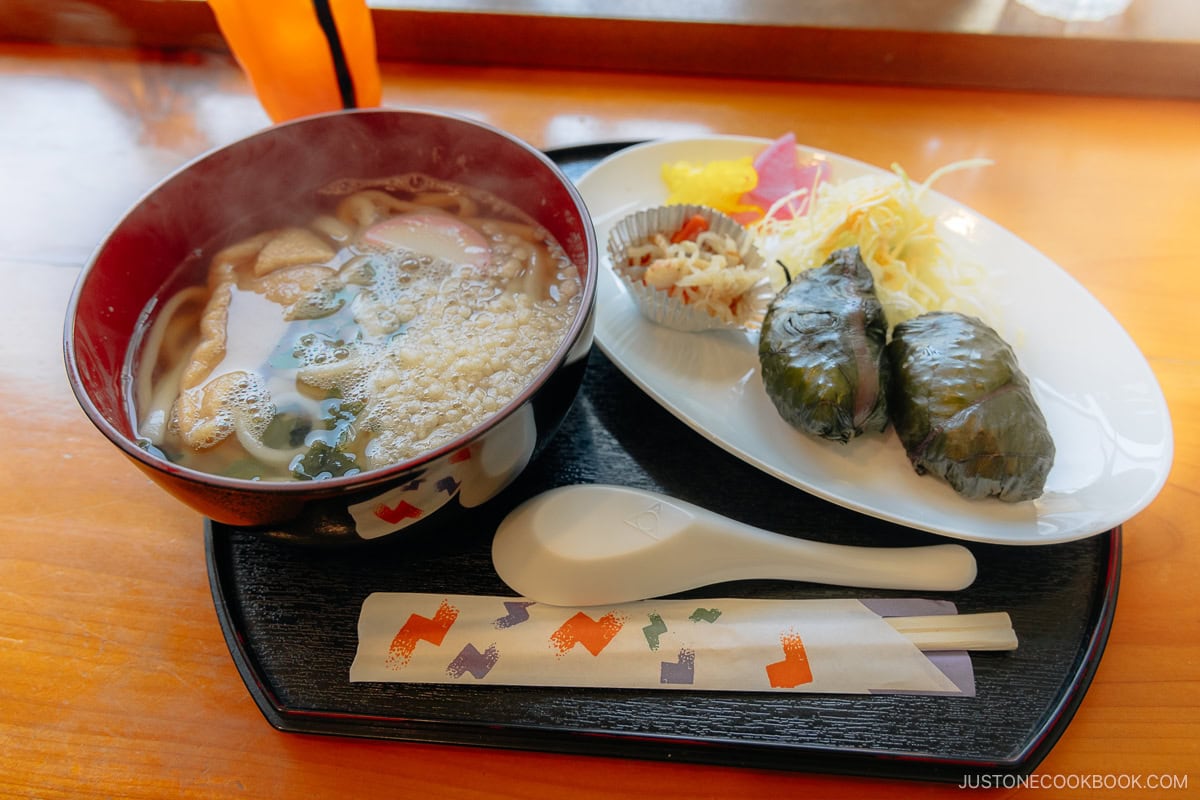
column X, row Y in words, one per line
column 366, row 479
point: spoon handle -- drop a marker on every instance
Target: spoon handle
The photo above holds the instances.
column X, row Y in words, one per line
column 744, row 551
column 760, row 554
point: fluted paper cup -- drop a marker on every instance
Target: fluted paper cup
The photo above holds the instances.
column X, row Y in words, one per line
column 669, row 308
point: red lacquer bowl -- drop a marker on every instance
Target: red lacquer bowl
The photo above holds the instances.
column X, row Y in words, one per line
column 272, row 170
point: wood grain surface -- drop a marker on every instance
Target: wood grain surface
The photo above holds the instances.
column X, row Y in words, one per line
column 116, row 679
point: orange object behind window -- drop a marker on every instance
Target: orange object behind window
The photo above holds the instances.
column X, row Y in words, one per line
column 303, row 56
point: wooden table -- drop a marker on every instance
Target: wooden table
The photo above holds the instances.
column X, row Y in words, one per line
column 116, row 679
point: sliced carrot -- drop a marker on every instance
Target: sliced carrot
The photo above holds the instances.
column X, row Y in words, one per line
column 693, row 227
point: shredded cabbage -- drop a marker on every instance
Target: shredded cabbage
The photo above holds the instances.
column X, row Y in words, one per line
column 913, row 270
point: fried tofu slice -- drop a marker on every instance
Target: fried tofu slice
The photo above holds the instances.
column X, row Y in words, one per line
column 291, row 247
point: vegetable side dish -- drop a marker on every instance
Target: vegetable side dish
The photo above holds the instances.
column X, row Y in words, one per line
column 914, row 271
column 858, row 263
column 690, row 268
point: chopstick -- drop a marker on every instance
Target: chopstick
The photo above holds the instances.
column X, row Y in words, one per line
column 988, row 631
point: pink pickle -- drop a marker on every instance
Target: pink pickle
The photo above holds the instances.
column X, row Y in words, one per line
column 780, row 174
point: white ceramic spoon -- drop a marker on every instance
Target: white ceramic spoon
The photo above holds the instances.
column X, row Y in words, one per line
column 597, row 545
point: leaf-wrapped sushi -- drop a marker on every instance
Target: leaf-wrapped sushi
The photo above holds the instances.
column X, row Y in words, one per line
column 821, row 350
column 964, row 410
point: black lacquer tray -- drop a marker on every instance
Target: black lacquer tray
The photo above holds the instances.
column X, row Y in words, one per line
column 289, row 615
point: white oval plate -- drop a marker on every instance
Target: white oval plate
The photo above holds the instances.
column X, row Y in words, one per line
column 1106, row 412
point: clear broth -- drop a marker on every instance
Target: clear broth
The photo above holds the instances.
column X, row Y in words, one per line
column 401, row 317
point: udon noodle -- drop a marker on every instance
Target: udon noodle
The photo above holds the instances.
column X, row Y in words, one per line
column 396, row 320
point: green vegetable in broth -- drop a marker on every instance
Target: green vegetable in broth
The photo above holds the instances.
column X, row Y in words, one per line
column 964, row 410
column 286, row 430
column 821, row 350
column 324, row 461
